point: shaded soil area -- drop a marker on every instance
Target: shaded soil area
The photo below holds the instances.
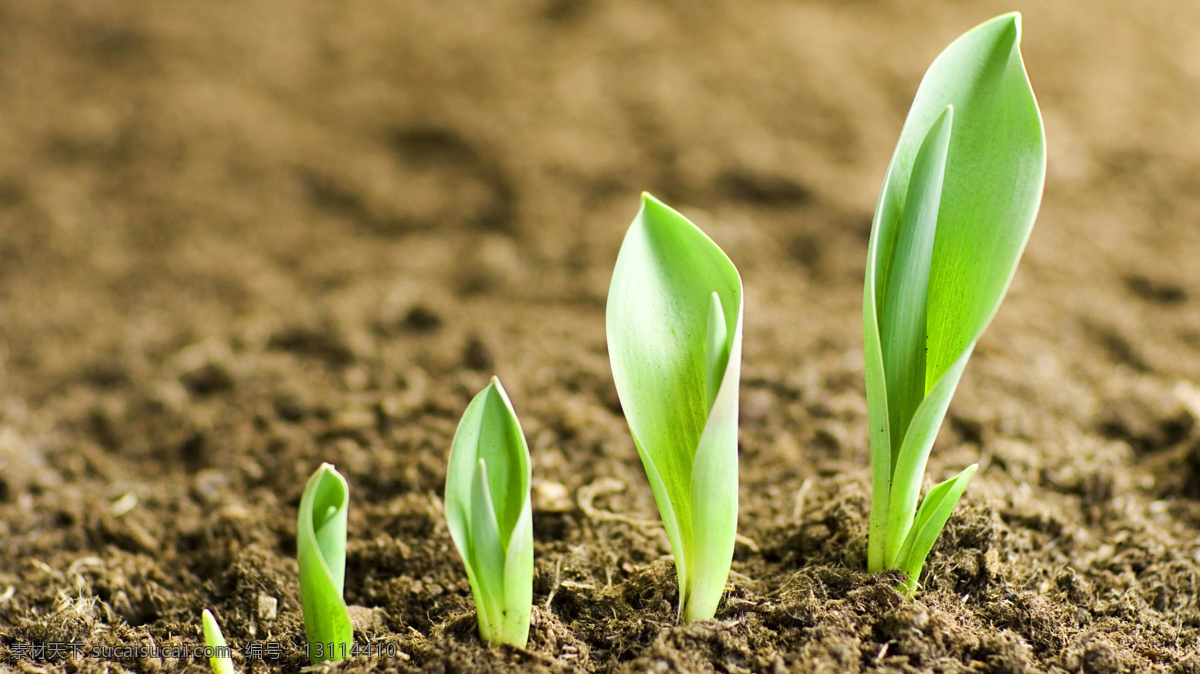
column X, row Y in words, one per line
column 240, row 239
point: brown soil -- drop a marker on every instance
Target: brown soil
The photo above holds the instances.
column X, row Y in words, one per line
column 239, row 239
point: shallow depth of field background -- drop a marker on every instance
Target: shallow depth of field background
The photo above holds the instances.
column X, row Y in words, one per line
column 241, row 238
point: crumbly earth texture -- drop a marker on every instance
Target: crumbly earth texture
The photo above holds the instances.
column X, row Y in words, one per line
column 240, row 239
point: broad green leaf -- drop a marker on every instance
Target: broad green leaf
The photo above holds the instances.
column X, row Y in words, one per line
column 220, row 661
column 955, row 212
column 674, row 322
column 489, row 514
column 994, row 178
column 931, row 518
column 321, row 553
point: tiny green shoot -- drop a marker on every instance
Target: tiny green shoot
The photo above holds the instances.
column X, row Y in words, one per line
column 220, row 660
column 956, row 209
column 674, row 323
column 490, row 516
column 321, row 552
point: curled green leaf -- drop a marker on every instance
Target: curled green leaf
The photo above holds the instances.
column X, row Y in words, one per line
column 321, row 553
column 955, row 212
column 674, row 323
column 490, row 516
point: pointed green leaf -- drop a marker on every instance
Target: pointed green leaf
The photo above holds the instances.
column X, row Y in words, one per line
column 220, row 661
column 931, row 519
column 487, row 553
column 716, row 349
column 321, row 553
column 489, row 514
column 714, row 492
column 518, row 580
column 667, row 342
column 903, row 329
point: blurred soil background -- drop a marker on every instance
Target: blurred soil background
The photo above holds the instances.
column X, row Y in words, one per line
column 241, row 238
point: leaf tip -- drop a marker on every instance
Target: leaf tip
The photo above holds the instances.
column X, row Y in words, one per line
column 655, row 205
column 944, row 124
column 648, row 202
column 1012, row 31
column 328, row 470
column 495, row 390
column 1010, row 22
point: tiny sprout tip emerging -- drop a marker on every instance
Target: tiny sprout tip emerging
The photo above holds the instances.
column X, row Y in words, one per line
column 490, row 515
column 220, row 660
column 321, row 552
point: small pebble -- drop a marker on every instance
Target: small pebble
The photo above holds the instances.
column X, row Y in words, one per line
column 267, row 607
column 551, row 497
column 354, row 419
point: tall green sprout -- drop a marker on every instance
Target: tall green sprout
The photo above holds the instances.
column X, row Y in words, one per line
column 674, row 323
column 321, row 552
column 955, row 212
column 490, row 516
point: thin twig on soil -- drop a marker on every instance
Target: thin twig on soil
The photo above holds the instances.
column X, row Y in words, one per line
column 801, row 498
column 586, row 497
column 554, row 588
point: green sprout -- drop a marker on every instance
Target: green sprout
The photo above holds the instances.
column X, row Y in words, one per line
column 220, row 660
column 321, row 551
column 674, row 323
column 490, row 516
column 955, row 212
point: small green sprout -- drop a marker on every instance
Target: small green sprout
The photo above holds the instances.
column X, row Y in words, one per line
column 220, row 660
column 674, row 323
column 955, row 212
column 490, row 516
column 321, row 551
